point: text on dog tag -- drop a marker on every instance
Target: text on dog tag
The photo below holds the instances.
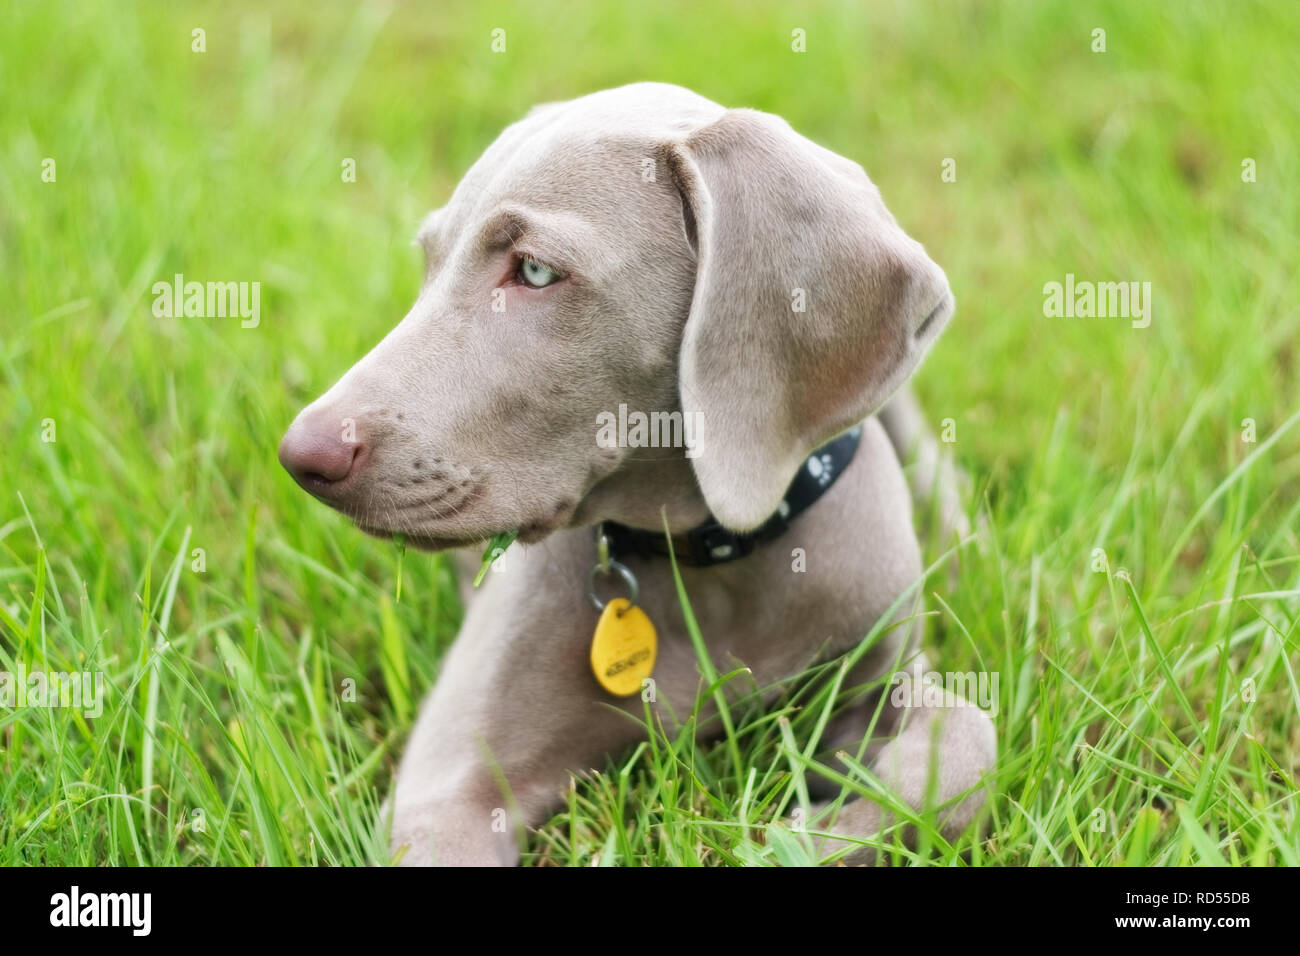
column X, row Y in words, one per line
column 623, row 648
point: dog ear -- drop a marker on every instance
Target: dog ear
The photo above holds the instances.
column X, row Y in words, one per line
column 811, row 305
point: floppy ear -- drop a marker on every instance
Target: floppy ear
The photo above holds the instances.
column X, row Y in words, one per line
column 811, row 305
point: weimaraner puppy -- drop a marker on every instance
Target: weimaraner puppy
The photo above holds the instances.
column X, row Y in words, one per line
column 646, row 249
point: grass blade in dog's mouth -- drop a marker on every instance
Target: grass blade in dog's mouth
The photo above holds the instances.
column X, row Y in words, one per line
column 399, row 539
column 500, row 541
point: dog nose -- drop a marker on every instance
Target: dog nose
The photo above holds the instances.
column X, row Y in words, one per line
column 317, row 452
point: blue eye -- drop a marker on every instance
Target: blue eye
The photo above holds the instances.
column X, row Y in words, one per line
column 533, row 273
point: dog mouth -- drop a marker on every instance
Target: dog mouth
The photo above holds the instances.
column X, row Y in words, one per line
column 443, row 510
column 431, row 538
column 422, row 542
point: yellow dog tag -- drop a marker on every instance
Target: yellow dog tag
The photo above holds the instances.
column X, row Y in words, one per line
column 623, row 648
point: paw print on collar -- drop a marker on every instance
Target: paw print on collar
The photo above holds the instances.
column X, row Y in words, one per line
column 820, row 467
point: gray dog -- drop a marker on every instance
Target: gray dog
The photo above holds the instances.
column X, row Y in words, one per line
column 645, row 249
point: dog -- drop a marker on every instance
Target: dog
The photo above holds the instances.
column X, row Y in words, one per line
column 645, row 248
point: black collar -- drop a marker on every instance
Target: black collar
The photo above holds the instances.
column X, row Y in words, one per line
column 711, row 543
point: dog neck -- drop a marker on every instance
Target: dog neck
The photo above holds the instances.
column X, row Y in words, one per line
column 636, row 526
column 709, row 542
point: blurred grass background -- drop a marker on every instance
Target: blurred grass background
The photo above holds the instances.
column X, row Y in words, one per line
column 1079, row 433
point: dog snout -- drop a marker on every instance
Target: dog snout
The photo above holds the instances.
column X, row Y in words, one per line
column 321, row 450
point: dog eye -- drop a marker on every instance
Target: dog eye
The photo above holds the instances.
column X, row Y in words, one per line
column 533, row 273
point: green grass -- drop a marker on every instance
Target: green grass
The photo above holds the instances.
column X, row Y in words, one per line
column 227, row 735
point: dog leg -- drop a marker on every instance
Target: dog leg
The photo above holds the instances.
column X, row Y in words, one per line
column 941, row 749
column 514, row 711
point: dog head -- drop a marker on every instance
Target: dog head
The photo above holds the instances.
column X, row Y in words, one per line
column 640, row 251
